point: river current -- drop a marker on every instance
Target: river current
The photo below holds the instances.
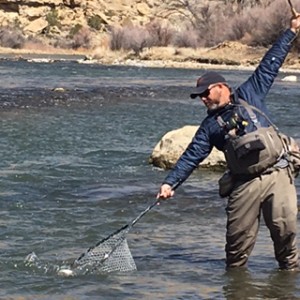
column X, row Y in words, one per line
column 74, row 168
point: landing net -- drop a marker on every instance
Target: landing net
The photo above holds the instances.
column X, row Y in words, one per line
column 112, row 254
column 109, row 255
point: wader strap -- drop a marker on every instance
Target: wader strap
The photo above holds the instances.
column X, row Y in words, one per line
column 249, row 108
column 252, row 115
column 221, row 122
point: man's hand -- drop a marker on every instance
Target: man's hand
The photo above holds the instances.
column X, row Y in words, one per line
column 294, row 146
column 165, row 192
column 295, row 20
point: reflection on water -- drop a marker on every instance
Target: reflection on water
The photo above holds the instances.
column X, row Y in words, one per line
column 276, row 284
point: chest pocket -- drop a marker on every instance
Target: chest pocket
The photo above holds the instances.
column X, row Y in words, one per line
column 253, row 152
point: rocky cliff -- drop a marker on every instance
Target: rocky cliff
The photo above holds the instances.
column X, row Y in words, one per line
column 34, row 16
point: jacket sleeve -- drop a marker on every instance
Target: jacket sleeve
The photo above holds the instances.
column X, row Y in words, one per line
column 255, row 89
column 195, row 153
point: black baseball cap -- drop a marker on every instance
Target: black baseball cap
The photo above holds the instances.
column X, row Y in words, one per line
column 205, row 81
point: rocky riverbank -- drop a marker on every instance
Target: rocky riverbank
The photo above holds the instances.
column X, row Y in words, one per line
column 228, row 55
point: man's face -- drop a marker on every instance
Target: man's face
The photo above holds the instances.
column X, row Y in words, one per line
column 212, row 97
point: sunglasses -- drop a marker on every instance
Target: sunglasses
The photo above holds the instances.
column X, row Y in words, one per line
column 204, row 94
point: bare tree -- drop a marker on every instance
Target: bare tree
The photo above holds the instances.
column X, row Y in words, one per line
column 248, row 3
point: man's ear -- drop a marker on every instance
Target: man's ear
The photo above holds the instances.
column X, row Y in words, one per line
column 225, row 86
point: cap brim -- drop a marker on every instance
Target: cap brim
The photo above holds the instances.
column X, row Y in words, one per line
column 193, row 96
column 198, row 91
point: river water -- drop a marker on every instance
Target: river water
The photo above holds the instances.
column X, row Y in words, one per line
column 74, row 168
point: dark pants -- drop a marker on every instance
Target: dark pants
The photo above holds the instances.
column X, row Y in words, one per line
column 273, row 195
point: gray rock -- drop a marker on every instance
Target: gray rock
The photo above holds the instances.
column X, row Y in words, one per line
column 172, row 145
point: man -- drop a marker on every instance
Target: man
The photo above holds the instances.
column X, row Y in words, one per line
column 262, row 177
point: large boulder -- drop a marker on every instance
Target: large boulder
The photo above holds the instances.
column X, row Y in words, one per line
column 173, row 144
column 36, row 26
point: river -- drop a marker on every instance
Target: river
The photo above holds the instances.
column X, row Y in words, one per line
column 74, row 168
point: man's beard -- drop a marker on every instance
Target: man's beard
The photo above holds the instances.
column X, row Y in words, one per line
column 213, row 106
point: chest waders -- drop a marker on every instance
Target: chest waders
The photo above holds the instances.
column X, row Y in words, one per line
column 253, row 153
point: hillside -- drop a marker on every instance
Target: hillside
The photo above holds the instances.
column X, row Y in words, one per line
column 34, row 16
column 45, row 21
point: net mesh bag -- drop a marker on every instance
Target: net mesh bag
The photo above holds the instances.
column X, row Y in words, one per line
column 110, row 255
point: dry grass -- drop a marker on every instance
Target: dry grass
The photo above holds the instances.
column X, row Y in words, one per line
column 106, row 56
column 228, row 55
column 32, row 48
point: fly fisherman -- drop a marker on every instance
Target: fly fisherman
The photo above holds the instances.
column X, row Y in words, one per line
column 261, row 176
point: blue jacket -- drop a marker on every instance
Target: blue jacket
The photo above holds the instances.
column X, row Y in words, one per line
column 210, row 134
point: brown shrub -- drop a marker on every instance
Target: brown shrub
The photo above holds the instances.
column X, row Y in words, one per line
column 82, row 39
column 268, row 23
column 187, row 38
column 160, row 35
column 130, row 38
column 255, row 23
column 116, row 38
column 11, row 38
column 212, row 25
